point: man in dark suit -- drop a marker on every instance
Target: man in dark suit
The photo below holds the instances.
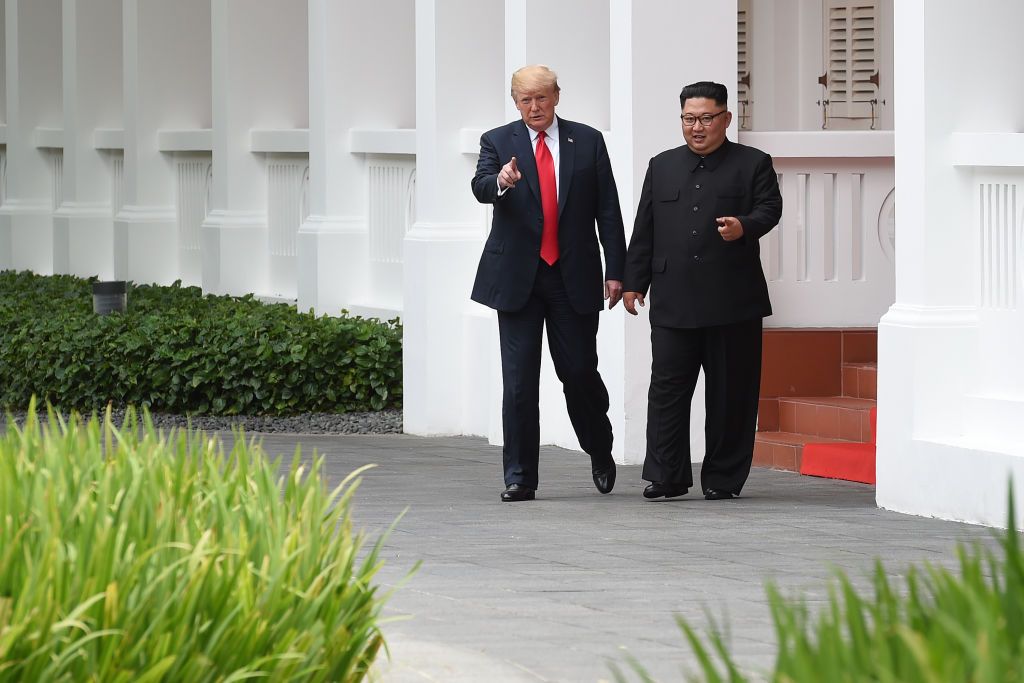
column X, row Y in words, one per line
column 702, row 210
column 549, row 181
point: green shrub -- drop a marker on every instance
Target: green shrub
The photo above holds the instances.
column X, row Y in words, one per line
column 945, row 627
column 126, row 556
column 176, row 350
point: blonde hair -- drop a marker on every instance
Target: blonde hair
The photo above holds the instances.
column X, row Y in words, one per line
column 532, row 78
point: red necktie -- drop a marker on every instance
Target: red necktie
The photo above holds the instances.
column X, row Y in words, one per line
column 548, row 201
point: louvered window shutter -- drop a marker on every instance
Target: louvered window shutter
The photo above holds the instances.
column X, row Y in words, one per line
column 851, row 57
column 743, row 103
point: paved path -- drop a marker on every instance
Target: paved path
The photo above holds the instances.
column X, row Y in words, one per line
column 558, row 588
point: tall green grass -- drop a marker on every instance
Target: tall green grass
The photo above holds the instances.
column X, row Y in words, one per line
column 129, row 556
column 942, row 627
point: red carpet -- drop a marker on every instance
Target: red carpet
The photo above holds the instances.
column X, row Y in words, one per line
column 849, row 461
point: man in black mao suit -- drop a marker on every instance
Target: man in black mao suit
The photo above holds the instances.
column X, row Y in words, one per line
column 549, row 181
column 702, row 210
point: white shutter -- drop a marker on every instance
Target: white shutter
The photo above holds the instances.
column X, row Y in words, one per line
column 851, row 61
column 743, row 103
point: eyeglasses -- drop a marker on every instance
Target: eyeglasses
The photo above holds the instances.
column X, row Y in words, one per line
column 689, row 120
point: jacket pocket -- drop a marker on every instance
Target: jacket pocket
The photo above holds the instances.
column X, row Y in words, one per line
column 667, row 195
column 658, row 264
column 494, row 246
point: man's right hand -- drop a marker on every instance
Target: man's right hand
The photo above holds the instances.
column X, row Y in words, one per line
column 631, row 299
column 509, row 175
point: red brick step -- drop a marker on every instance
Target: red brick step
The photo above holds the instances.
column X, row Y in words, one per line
column 829, row 417
column 782, row 450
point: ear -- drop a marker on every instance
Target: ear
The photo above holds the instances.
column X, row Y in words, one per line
column 728, row 119
column 557, row 93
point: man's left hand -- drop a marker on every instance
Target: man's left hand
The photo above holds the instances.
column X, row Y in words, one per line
column 730, row 228
column 612, row 292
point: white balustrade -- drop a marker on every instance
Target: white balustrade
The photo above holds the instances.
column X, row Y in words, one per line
column 116, row 158
column 830, row 261
column 287, row 200
column 194, row 178
column 56, row 159
column 999, row 265
column 1000, row 198
column 287, row 208
column 995, row 168
column 3, row 175
column 392, row 184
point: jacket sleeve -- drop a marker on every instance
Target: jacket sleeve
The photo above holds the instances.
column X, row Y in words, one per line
column 641, row 243
column 609, row 215
column 485, row 181
column 766, row 208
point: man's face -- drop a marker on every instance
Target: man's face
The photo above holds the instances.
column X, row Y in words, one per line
column 704, row 139
column 537, row 107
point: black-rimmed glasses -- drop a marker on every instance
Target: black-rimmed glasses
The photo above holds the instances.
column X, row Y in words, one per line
column 689, row 120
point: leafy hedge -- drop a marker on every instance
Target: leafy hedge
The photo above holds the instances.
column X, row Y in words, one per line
column 176, row 350
column 941, row 627
column 129, row 556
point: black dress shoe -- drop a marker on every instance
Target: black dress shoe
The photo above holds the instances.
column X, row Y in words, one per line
column 604, row 479
column 516, row 492
column 659, row 490
column 715, row 494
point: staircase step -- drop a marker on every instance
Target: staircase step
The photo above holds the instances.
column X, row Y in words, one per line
column 827, row 417
column 783, row 450
column 860, row 380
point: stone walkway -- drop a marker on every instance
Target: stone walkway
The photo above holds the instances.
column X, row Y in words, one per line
column 561, row 588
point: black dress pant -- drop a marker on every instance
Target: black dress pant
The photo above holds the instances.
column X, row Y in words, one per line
column 572, row 340
column 731, row 358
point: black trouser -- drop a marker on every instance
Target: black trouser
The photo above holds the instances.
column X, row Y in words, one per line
column 731, row 358
column 572, row 340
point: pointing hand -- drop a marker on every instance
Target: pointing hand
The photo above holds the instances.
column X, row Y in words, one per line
column 509, row 175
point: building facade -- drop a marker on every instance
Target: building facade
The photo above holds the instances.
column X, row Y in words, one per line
column 321, row 151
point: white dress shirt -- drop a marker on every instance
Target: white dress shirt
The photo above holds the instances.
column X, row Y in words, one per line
column 551, row 140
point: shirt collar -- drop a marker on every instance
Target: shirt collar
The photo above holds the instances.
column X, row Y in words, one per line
column 711, row 161
column 551, row 132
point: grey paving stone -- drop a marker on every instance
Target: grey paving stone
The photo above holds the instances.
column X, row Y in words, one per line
column 560, row 588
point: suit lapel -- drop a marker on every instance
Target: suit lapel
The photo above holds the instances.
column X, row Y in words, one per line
column 566, row 162
column 525, row 160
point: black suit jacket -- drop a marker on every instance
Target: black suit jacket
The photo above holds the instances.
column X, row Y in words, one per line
column 696, row 278
column 586, row 195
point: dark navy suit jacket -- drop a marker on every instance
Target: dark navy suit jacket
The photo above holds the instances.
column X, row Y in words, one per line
column 586, row 195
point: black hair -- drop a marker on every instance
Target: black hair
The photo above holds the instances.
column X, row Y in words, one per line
column 708, row 89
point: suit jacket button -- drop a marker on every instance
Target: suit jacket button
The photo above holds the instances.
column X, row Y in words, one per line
column 694, row 233
column 696, row 257
column 695, row 208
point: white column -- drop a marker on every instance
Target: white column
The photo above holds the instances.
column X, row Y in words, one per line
column 83, row 224
column 166, row 87
column 32, row 38
column 458, row 85
column 949, row 422
column 255, row 86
